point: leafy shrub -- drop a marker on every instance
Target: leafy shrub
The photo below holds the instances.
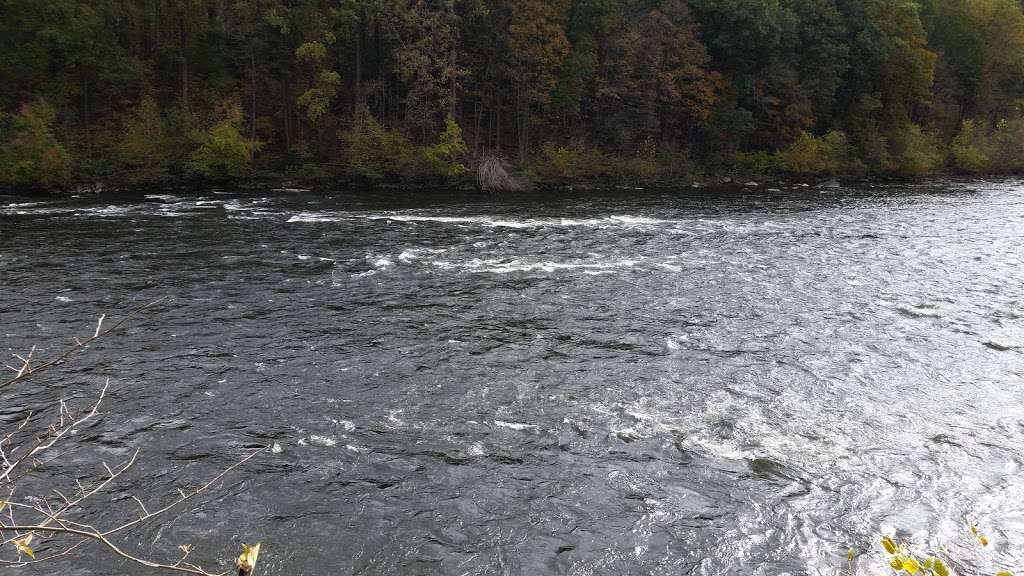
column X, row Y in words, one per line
column 572, row 163
column 642, row 166
column 1007, row 145
column 223, row 152
column 969, row 150
column 30, row 154
column 811, row 155
column 912, row 151
column 447, row 156
column 758, row 163
column 374, row 153
column 142, row 151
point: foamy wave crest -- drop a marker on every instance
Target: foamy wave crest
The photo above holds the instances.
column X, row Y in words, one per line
column 484, row 221
column 516, row 426
column 477, row 265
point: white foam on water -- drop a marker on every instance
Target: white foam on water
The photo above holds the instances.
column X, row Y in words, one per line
column 105, row 211
column 516, row 425
column 307, row 217
column 63, row 299
column 412, row 254
column 322, row 441
column 393, row 421
column 624, row 220
column 163, row 197
column 346, row 425
column 517, row 266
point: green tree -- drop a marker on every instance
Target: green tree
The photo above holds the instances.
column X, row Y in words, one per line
column 784, row 61
column 143, row 149
column 30, row 155
column 223, row 153
column 980, row 44
column 447, row 157
column 373, row 153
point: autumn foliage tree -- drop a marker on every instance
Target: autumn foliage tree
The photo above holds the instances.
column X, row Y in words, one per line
column 132, row 87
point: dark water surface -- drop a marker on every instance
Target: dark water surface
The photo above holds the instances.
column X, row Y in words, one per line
column 629, row 383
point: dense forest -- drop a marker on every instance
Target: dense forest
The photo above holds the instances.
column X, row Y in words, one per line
column 645, row 91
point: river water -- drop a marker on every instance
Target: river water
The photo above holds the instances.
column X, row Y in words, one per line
column 622, row 383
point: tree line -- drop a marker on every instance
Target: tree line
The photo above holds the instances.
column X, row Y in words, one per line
column 154, row 91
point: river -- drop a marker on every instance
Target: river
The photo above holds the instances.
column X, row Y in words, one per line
column 676, row 382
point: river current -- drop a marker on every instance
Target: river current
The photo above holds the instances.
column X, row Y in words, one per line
column 629, row 382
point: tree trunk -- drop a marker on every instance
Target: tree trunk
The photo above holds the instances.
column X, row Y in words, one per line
column 497, row 122
column 287, row 112
column 252, row 81
column 359, row 68
column 184, row 82
column 453, row 78
column 477, row 112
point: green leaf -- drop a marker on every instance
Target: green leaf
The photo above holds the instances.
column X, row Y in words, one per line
column 850, row 555
column 889, row 545
column 939, row 568
column 896, row 563
column 1004, row 573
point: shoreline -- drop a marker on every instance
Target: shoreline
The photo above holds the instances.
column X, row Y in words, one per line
column 717, row 184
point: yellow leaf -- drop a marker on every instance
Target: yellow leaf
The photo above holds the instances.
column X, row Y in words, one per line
column 889, row 545
column 896, row 564
column 1005, row 573
column 3, row 503
column 246, row 562
column 974, row 529
column 911, row 566
column 850, row 554
column 940, row 568
column 983, row 539
column 22, row 544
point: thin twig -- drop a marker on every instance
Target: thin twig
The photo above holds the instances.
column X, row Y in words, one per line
column 188, row 569
column 55, row 435
column 26, row 370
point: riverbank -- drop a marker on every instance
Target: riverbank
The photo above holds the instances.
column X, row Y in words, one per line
column 720, row 183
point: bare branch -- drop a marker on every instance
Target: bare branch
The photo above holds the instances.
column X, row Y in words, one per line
column 188, row 569
column 56, row 517
column 26, row 370
column 183, row 495
column 55, row 434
